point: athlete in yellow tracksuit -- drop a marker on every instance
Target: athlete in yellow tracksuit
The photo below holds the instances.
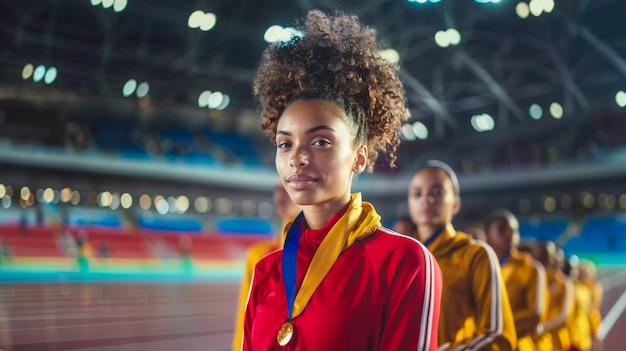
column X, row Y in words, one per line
column 475, row 312
column 587, row 275
column 524, row 278
column 579, row 323
column 285, row 210
column 560, row 292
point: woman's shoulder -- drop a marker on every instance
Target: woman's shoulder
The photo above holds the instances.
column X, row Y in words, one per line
column 385, row 241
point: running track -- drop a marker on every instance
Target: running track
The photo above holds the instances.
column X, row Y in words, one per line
column 165, row 316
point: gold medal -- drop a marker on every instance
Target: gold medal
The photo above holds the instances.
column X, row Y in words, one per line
column 284, row 334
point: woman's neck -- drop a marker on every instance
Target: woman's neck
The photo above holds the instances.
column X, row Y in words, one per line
column 425, row 232
column 317, row 216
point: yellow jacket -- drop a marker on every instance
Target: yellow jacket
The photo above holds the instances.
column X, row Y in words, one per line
column 255, row 254
column 525, row 282
column 595, row 318
column 475, row 310
column 579, row 323
column 560, row 290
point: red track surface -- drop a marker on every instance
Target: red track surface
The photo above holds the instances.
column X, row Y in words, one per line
column 119, row 316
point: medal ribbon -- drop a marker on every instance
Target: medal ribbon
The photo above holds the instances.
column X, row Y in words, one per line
column 359, row 221
column 434, row 236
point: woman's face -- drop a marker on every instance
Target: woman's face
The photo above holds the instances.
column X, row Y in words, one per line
column 315, row 156
column 501, row 236
column 432, row 201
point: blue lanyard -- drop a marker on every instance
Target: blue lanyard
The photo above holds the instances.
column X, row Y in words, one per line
column 504, row 258
column 290, row 256
column 434, row 236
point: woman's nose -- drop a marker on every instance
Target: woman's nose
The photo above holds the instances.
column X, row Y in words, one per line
column 299, row 158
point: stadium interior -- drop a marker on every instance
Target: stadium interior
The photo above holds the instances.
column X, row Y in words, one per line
column 130, row 125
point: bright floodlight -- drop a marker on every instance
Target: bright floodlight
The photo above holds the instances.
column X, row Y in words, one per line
column 548, row 5
column 454, row 37
column 143, row 89
column 420, row 130
column 129, row 87
column 107, row 3
column 50, row 76
column 441, row 38
column 273, row 33
column 407, row 132
column 40, row 71
column 620, row 98
column 556, row 110
column 120, row 5
column 203, row 99
column 215, row 99
column 391, row 55
column 96, row 2
column 225, row 102
column 208, row 21
column 182, row 203
column 126, row 200
column 483, row 122
column 27, row 71
column 277, row 33
column 522, row 10
column 195, row 19
column 535, row 111
column 536, row 7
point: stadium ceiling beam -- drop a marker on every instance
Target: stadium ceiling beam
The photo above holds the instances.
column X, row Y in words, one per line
column 564, row 75
column 428, row 98
column 496, row 89
column 602, row 48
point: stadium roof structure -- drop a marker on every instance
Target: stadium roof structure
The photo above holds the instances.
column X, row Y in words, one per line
column 574, row 55
column 519, row 67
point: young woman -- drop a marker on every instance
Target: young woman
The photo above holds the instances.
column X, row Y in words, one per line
column 560, row 301
column 524, row 278
column 475, row 310
column 331, row 104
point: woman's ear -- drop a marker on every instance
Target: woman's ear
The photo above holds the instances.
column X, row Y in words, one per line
column 457, row 204
column 360, row 163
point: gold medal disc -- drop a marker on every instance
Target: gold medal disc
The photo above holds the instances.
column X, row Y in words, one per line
column 284, row 334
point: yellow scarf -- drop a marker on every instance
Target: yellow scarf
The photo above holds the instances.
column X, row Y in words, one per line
column 359, row 221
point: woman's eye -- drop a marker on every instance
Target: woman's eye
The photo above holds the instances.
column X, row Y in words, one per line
column 321, row 142
column 283, row 145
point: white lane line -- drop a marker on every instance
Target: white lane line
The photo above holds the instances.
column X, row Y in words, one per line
column 612, row 317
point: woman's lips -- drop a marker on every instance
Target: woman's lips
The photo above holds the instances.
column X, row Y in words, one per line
column 300, row 181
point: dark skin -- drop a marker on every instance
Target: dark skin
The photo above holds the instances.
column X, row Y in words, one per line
column 501, row 236
column 545, row 253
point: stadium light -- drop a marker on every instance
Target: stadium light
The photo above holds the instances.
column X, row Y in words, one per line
column 203, row 99
column 448, row 37
column 205, row 21
column 129, row 87
column 535, row 111
column 50, row 76
column 483, row 122
column 120, row 5
column 225, row 102
column 107, row 3
column 39, row 73
column 620, row 98
column 143, row 89
column 3, row 190
column 391, row 55
column 277, row 33
column 27, row 71
column 407, row 132
column 522, row 10
column 420, row 130
column 556, row 110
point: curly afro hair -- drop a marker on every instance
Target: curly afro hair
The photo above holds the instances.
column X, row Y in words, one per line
column 336, row 59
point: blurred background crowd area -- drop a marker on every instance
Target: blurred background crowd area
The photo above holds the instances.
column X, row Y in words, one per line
column 137, row 116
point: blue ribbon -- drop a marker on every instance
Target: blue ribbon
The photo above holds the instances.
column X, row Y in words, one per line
column 504, row 258
column 434, row 236
column 290, row 261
